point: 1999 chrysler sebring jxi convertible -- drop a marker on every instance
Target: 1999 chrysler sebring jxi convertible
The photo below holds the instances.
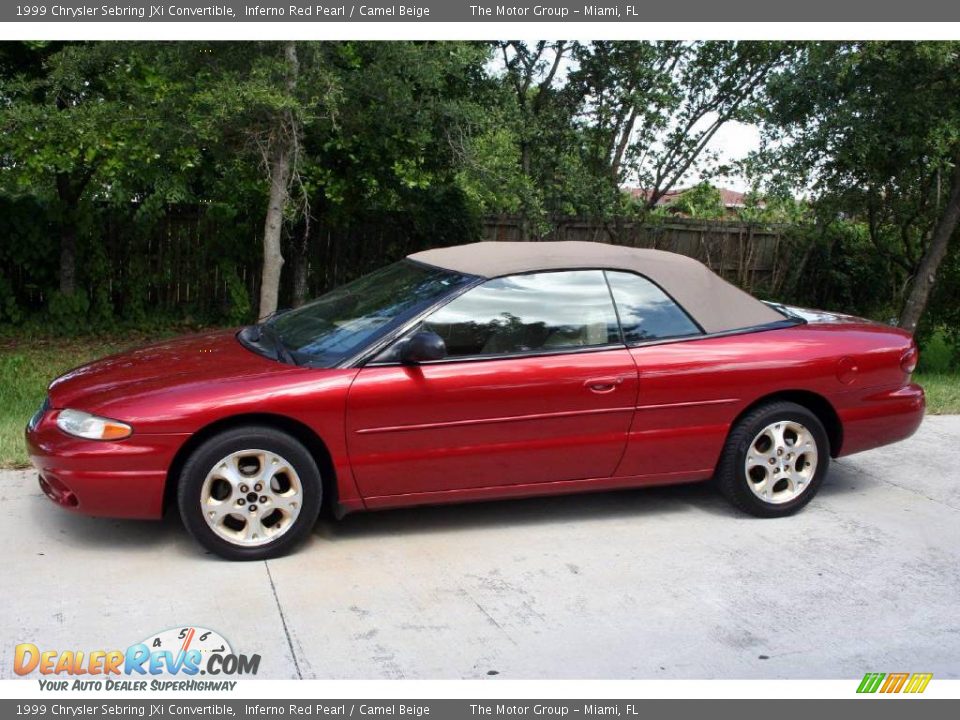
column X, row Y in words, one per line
column 482, row 371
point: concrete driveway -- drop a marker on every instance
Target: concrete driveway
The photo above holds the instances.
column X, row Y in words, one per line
column 666, row 583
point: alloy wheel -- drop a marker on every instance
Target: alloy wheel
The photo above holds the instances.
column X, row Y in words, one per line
column 781, row 462
column 251, row 497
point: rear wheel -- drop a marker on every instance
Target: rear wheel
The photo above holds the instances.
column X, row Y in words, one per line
column 250, row 493
column 774, row 460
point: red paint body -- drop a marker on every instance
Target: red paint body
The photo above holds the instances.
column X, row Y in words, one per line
column 472, row 430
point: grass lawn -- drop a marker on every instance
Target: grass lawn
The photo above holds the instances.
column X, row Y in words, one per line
column 27, row 366
column 943, row 392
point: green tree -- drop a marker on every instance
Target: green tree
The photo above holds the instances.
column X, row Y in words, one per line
column 538, row 108
column 651, row 109
column 702, row 201
column 581, row 119
column 407, row 114
column 74, row 123
column 874, row 128
column 255, row 100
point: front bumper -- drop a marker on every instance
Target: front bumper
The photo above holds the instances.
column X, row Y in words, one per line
column 122, row 479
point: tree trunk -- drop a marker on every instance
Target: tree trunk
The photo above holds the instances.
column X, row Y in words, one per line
column 283, row 151
column 301, row 263
column 272, row 255
column 923, row 280
column 525, row 207
column 68, row 234
column 300, row 282
column 68, row 258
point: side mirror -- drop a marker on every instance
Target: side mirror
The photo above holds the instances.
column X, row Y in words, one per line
column 422, row 347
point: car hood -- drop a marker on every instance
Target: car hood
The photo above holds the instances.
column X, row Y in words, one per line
column 193, row 360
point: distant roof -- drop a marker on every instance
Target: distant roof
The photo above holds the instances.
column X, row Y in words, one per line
column 714, row 303
column 729, row 198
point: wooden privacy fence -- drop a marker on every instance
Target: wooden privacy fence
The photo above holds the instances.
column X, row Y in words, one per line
column 190, row 261
column 182, row 262
column 754, row 257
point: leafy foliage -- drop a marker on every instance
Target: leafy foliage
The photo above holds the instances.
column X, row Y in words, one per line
column 874, row 129
column 134, row 177
column 701, row 201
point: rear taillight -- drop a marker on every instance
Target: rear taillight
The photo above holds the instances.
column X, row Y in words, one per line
column 908, row 361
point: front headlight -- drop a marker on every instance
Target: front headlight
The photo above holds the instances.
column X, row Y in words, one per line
column 84, row 425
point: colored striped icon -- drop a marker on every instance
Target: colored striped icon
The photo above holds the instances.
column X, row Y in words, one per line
column 918, row 682
column 894, row 682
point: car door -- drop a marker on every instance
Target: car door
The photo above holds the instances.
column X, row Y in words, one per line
column 537, row 387
column 683, row 400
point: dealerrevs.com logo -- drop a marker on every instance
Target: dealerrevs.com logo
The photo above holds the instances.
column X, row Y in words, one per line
column 888, row 683
column 168, row 660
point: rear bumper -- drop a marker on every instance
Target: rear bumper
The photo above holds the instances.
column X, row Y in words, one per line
column 124, row 479
column 882, row 417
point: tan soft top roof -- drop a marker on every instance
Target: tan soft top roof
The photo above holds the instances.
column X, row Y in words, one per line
column 713, row 302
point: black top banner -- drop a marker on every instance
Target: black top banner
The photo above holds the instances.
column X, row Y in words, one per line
column 308, row 11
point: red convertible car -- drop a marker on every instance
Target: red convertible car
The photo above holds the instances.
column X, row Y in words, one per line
column 476, row 372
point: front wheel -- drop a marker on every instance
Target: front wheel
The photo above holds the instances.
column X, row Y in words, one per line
column 774, row 460
column 250, row 493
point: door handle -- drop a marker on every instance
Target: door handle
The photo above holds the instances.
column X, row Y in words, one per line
column 603, row 385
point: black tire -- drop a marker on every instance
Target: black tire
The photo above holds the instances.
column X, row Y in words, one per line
column 731, row 476
column 235, row 440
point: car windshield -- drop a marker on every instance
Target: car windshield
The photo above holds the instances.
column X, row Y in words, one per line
column 335, row 326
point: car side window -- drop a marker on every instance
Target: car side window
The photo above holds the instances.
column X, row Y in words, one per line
column 647, row 312
column 528, row 313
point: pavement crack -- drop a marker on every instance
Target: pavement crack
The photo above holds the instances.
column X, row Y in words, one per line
column 491, row 619
column 283, row 621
